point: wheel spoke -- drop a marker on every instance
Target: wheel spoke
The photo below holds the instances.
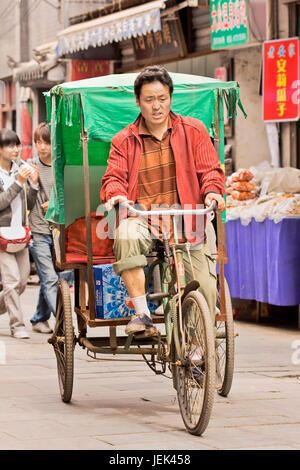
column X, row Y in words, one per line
column 63, row 341
column 59, row 318
column 194, row 375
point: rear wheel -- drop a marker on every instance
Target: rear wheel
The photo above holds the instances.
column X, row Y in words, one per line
column 63, row 341
column 225, row 344
column 194, row 369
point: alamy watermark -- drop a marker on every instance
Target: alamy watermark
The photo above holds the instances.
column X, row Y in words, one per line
column 296, row 93
column 187, row 227
column 296, row 353
column 2, row 353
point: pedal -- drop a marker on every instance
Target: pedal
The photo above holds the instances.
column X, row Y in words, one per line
column 149, row 333
column 145, row 335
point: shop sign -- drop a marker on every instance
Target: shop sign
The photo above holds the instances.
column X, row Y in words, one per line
column 229, row 23
column 281, row 80
column 82, row 69
column 166, row 44
column 221, row 73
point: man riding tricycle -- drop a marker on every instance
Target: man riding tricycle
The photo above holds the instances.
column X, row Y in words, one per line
column 164, row 176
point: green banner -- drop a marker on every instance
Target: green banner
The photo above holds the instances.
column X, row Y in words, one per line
column 229, row 23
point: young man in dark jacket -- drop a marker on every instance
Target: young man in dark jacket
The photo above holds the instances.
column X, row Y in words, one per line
column 161, row 158
column 42, row 241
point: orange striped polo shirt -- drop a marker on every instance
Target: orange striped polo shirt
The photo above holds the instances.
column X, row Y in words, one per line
column 157, row 178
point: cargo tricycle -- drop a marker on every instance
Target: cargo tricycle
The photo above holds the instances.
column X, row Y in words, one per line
column 84, row 117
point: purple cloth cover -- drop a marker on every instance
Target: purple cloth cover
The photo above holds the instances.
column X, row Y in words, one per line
column 264, row 261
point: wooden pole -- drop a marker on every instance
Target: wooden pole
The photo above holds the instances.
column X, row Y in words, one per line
column 87, row 200
column 220, row 226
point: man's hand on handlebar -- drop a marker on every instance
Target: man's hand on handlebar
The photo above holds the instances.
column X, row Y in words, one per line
column 116, row 200
column 210, row 197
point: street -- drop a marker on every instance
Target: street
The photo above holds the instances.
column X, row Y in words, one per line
column 123, row 405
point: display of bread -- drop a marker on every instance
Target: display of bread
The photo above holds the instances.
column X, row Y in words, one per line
column 239, row 187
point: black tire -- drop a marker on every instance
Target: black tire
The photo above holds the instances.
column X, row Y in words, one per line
column 225, row 345
column 63, row 341
column 194, row 378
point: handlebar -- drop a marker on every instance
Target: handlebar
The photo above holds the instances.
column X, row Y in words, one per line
column 207, row 210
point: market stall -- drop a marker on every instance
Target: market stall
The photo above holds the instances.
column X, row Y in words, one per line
column 263, row 234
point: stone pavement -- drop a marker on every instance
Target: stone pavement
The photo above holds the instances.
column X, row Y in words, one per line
column 123, row 405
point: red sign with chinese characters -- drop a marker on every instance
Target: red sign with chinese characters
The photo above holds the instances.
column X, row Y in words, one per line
column 281, row 80
column 221, row 73
column 82, row 69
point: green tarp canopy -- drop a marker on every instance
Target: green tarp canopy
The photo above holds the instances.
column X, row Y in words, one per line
column 107, row 105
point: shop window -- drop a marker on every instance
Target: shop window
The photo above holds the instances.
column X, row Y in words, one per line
column 8, row 109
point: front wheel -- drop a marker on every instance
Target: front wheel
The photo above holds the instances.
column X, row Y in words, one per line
column 194, row 371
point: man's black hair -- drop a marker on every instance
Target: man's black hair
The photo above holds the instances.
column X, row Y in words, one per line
column 8, row 137
column 152, row 73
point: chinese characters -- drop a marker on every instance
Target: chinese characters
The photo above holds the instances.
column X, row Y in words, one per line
column 228, row 15
column 158, row 38
column 281, row 69
column 229, row 23
column 168, row 42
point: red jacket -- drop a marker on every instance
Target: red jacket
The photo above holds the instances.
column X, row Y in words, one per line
column 198, row 169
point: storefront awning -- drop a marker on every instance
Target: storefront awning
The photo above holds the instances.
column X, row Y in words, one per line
column 44, row 59
column 116, row 27
column 32, row 70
